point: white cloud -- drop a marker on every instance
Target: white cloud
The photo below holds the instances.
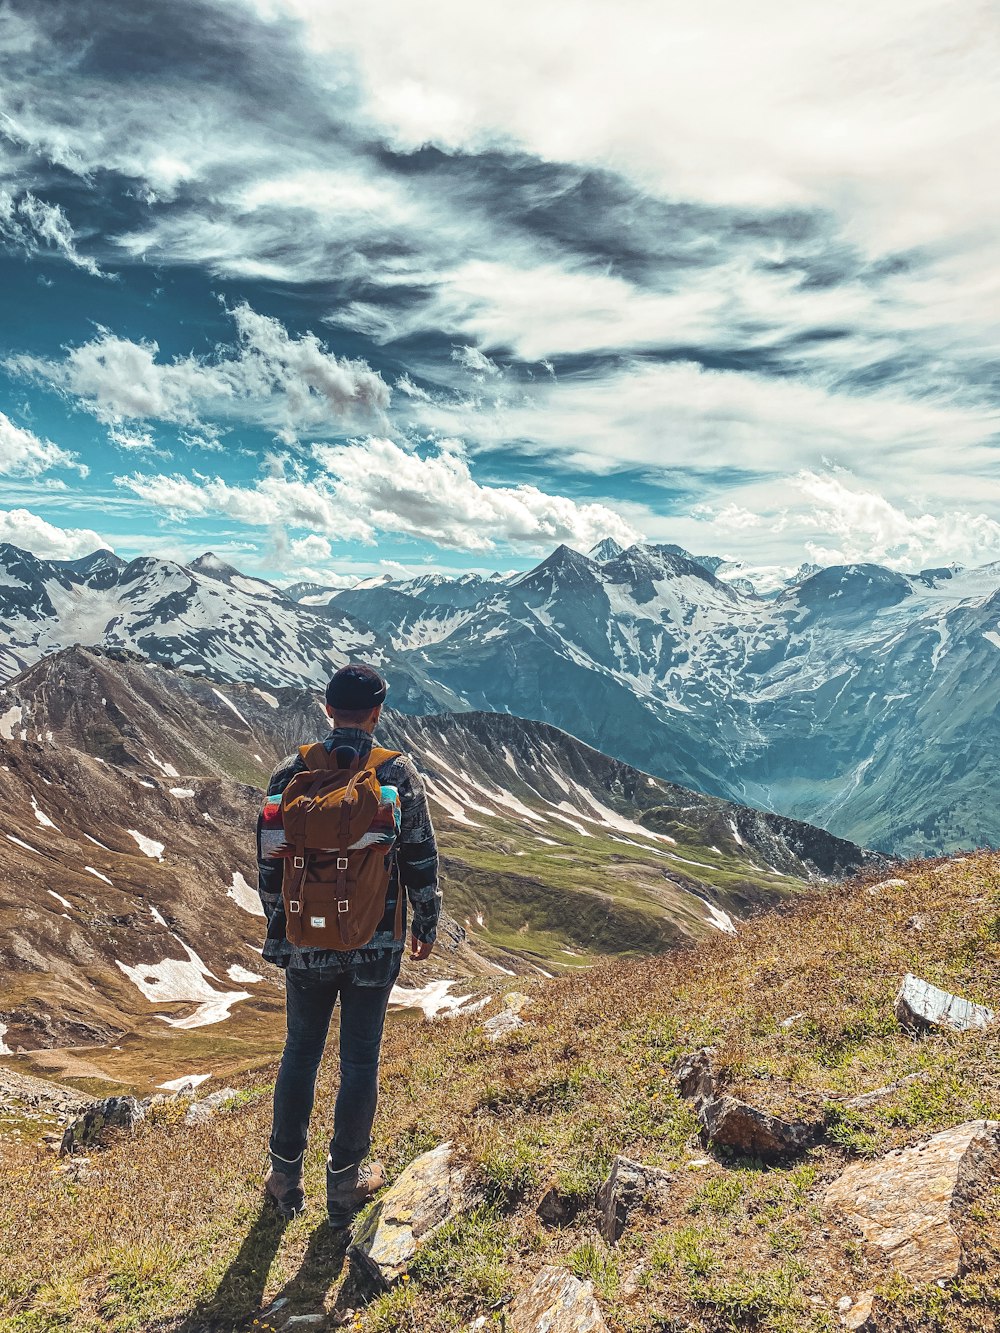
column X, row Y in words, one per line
column 39, row 227
column 857, row 524
column 32, row 533
column 376, row 486
column 287, row 383
column 475, row 360
column 681, row 416
column 23, row 454
column 313, row 548
column 885, row 111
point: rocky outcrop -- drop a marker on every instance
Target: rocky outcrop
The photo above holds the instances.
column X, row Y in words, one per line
column 556, row 1302
column 200, row 1112
column 921, row 1007
column 629, row 1186
column 912, row 1202
column 433, row 1189
column 728, row 1121
column 508, row 1020
column 112, row 1113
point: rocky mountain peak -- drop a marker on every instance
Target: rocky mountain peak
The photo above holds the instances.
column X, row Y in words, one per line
column 605, row 550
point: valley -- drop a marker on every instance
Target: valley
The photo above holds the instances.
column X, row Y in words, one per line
column 129, row 920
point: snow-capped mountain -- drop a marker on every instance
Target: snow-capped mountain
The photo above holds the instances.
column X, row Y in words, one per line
column 206, row 616
column 862, row 699
column 856, row 697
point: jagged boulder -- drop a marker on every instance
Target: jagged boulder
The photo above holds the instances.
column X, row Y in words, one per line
column 112, row 1113
column 556, row 1302
column 910, row 1202
column 730, row 1122
column 433, row 1189
column 921, row 1006
column 629, row 1186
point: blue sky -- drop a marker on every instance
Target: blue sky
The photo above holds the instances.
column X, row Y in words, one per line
column 424, row 286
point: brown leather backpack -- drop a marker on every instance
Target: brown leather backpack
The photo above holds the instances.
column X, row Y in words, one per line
column 335, row 897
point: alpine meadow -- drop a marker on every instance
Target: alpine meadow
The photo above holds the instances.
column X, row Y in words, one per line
column 499, row 667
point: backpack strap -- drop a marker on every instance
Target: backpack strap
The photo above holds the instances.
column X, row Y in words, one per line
column 314, row 756
column 317, row 756
column 378, row 756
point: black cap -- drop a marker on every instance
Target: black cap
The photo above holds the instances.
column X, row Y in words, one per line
column 355, row 688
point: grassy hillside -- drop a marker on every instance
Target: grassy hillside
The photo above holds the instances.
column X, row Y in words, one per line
column 164, row 1230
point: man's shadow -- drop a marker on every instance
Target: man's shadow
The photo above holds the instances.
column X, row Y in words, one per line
column 321, row 1266
column 239, row 1297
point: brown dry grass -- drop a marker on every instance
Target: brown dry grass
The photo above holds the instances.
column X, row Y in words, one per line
column 167, row 1231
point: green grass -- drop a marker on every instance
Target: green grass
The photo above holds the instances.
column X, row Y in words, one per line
column 729, row 1246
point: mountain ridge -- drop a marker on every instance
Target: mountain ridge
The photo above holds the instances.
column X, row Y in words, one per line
column 857, row 698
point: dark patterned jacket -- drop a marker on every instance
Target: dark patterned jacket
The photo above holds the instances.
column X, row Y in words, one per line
column 416, row 868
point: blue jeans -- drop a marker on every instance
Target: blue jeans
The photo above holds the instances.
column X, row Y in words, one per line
column 310, row 996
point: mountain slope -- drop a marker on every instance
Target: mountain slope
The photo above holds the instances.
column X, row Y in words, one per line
column 126, row 842
column 857, row 698
column 799, row 1008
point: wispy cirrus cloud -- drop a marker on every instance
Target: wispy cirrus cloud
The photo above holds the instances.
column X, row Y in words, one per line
column 698, row 245
column 40, row 228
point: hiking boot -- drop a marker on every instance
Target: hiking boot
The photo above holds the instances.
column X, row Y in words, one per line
column 348, row 1190
column 285, row 1192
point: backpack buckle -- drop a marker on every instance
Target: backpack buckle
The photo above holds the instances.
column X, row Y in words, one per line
column 295, row 907
column 341, row 862
column 298, row 862
column 343, row 905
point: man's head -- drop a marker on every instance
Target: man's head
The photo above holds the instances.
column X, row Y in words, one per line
column 354, row 697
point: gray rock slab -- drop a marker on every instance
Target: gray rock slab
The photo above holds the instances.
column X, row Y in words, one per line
column 556, row 1302
column 432, row 1190
column 112, row 1113
column 921, row 1006
column 630, row 1185
column 502, row 1024
column 730, row 1122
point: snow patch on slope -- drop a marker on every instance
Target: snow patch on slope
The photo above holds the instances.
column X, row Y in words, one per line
column 148, row 846
column 244, row 896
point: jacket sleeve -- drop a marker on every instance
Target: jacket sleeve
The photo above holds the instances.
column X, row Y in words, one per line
column 418, row 855
column 270, row 870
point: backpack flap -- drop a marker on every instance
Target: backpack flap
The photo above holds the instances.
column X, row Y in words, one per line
column 334, row 888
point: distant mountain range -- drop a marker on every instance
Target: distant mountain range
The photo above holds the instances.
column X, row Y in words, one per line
column 855, row 697
column 127, row 904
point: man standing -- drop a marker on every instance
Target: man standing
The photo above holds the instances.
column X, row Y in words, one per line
column 361, row 978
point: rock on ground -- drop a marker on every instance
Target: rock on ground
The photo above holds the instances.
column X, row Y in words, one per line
column 908, row 1203
column 431, row 1190
column 919, row 1006
column 556, row 1302
column 199, row 1112
column 502, row 1024
column 856, row 1313
column 113, row 1112
column 730, row 1122
column 628, row 1187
